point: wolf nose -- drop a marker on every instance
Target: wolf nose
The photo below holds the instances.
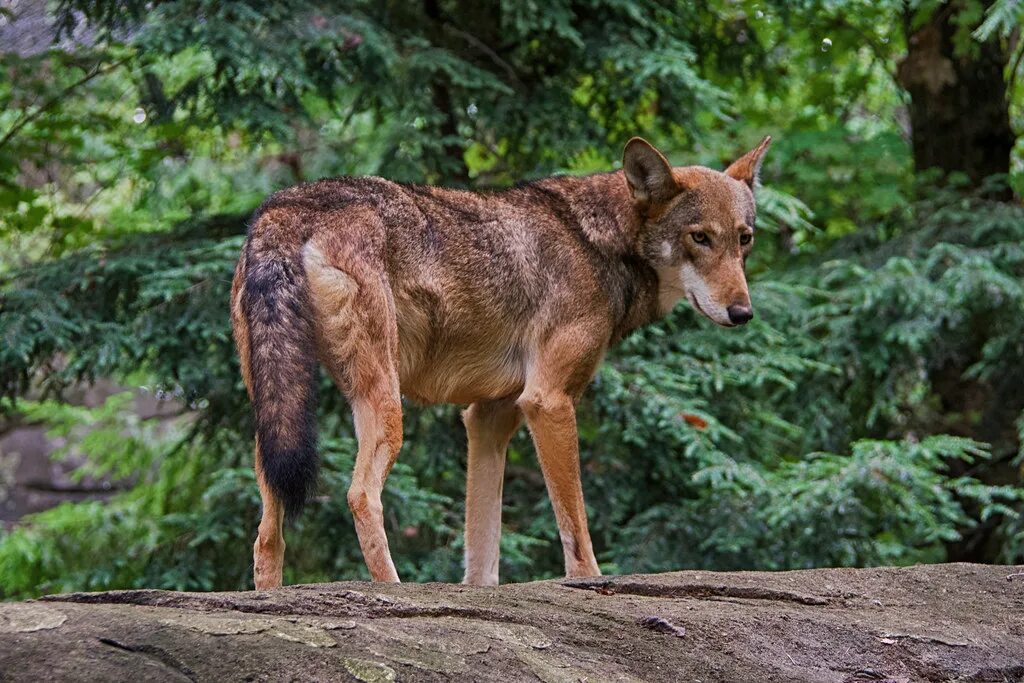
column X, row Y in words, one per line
column 739, row 315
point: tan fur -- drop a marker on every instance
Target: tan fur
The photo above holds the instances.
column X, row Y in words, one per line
column 268, row 550
column 489, row 427
column 505, row 302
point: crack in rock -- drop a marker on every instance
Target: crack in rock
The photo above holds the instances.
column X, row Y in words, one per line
column 328, row 603
column 156, row 654
column 894, row 637
column 698, row 591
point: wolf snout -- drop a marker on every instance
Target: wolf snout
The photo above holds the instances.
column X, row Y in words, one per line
column 739, row 314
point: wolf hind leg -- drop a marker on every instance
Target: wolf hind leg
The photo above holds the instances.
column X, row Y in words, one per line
column 268, row 550
column 359, row 348
column 379, row 431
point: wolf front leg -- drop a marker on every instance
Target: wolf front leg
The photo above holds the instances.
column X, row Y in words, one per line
column 489, row 426
column 565, row 366
column 551, row 417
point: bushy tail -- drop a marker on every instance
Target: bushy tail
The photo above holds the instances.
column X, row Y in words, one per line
column 282, row 369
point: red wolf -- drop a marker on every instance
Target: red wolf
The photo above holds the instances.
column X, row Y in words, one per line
column 502, row 301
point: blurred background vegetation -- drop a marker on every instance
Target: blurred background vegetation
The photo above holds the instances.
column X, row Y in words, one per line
column 871, row 414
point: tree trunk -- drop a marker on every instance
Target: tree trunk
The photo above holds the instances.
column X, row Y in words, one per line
column 926, row 623
column 959, row 113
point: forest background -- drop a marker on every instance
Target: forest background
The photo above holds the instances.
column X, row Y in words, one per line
column 871, row 414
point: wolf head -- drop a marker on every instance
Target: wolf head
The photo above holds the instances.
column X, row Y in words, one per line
column 698, row 228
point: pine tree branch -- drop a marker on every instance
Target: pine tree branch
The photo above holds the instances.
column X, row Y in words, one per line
column 45, row 106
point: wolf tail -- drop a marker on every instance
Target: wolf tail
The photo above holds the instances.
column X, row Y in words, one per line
column 282, row 372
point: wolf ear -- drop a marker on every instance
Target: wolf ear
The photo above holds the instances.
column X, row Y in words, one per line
column 748, row 166
column 648, row 173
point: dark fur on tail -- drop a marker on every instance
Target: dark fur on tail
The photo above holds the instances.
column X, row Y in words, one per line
column 282, row 373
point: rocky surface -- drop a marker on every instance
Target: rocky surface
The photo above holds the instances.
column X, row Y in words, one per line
column 953, row 622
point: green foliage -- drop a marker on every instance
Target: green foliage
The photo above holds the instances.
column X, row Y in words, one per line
column 1002, row 17
column 145, row 305
column 433, row 76
column 181, row 523
column 870, row 414
column 887, row 502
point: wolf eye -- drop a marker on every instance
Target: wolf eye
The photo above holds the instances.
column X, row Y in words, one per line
column 700, row 237
column 745, row 238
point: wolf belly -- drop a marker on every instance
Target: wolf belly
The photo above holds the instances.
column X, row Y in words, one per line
column 443, row 360
column 463, row 379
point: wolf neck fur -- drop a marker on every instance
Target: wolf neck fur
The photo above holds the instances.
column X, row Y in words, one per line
column 603, row 213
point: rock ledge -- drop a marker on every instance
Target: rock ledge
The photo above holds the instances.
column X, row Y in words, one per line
column 925, row 623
